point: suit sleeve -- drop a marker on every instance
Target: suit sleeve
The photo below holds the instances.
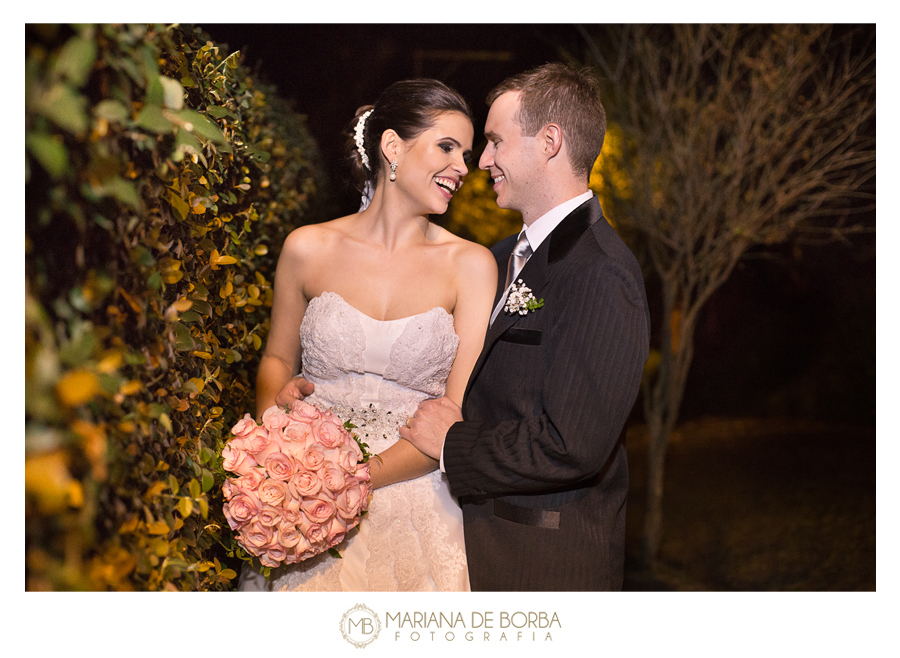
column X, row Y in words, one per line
column 593, row 360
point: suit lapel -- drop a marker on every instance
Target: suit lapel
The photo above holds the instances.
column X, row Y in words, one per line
column 535, row 274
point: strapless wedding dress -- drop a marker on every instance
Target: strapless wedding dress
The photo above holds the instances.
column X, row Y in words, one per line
column 374, row 373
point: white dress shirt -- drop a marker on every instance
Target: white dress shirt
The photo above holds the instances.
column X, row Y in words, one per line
column 538, row 232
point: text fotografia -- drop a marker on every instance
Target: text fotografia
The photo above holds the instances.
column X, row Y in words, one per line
column 479, row 626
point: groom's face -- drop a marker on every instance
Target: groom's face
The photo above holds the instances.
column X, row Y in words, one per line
column 510, row 156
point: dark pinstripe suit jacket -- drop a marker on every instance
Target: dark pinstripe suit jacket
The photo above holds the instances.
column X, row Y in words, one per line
column 539, row 462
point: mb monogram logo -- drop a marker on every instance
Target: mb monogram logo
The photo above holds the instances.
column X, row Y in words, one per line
column 360, row 626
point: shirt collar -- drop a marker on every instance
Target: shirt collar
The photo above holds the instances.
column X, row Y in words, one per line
column 544, row 225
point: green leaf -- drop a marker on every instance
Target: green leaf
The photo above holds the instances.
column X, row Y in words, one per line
column 111, row 110
column 183, row 339
column 185, row 142
column 49, row 151
column 202, row 126
column 121, row 190
column 75, row 60
column 218, row 112
column 155, row 92
column 333, row 552
column 185, row 507
column 203, row 308
column 194, row 488
column 66, row 108
column 151, row 118
column 207, row 479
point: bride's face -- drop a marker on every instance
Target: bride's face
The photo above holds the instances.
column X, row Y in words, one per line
column 433, row 165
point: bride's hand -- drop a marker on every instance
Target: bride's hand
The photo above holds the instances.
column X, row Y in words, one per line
column 296, row 389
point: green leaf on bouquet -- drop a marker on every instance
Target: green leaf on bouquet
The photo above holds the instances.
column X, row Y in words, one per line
column 333, row 552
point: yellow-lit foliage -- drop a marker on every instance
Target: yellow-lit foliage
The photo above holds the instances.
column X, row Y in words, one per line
column 610, row 178
column 160, row 181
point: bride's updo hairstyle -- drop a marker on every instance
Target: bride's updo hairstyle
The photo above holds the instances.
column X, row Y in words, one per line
column 409, row 108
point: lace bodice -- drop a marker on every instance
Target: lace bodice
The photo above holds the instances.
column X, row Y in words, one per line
column 355, row 360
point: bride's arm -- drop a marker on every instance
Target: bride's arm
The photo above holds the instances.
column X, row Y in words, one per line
column 475, row 290
column 476, row 286
column 281, row 358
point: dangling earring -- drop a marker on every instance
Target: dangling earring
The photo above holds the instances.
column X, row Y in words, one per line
column 394, row 170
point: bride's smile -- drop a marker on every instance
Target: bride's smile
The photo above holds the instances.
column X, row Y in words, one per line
column 432, row 167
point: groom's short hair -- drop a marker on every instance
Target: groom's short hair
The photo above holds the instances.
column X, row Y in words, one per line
column 557, row 93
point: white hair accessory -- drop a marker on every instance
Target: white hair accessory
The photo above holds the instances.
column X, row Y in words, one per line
column 368, row 193
column 361, row 137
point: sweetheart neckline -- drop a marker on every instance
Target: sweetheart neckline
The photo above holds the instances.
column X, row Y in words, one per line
column 409, row 317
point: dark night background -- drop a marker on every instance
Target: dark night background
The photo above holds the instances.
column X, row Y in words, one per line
column 792, row 333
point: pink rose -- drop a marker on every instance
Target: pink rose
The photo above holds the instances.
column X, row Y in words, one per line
column 333, row 477
column 291, row 513
column 250, row 481
column 268, row 516
column 328, row 434
column 304, row 483
column 362, row 472
column 245, row 427
column 272, row 492
column 349, row 502
column 318, row 509
column 296, row 449
column 346, row 458
column 296, row 431
column 313, row 458
column 336, row 532
column 303, row 411
column 255, row 536
column 273, row 557
column 236, row 460
column 256, row 441
column 240, row 510
column 228, row 489
column 274, row 418
column 316, row 534
column 289, row 537
column 329, row 416
column 279, row 466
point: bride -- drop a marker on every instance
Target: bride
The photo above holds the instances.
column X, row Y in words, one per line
column 378, row 311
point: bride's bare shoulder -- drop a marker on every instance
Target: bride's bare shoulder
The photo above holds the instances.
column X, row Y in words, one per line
column 463, row 251
column 312, row 239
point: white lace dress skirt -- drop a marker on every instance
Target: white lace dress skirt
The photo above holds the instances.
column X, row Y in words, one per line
column 374, row 373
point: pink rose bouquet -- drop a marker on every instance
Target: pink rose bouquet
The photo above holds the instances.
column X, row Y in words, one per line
column 302, row 483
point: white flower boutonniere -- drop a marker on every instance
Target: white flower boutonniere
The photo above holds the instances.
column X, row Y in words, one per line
column 520, row 300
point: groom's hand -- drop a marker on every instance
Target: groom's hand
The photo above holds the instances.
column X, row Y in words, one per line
column 427, row 428
column 296, row 389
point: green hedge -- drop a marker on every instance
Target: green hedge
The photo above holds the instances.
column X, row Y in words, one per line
column 161, row 179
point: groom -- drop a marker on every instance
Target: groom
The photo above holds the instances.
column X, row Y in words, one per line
column 536, row 455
